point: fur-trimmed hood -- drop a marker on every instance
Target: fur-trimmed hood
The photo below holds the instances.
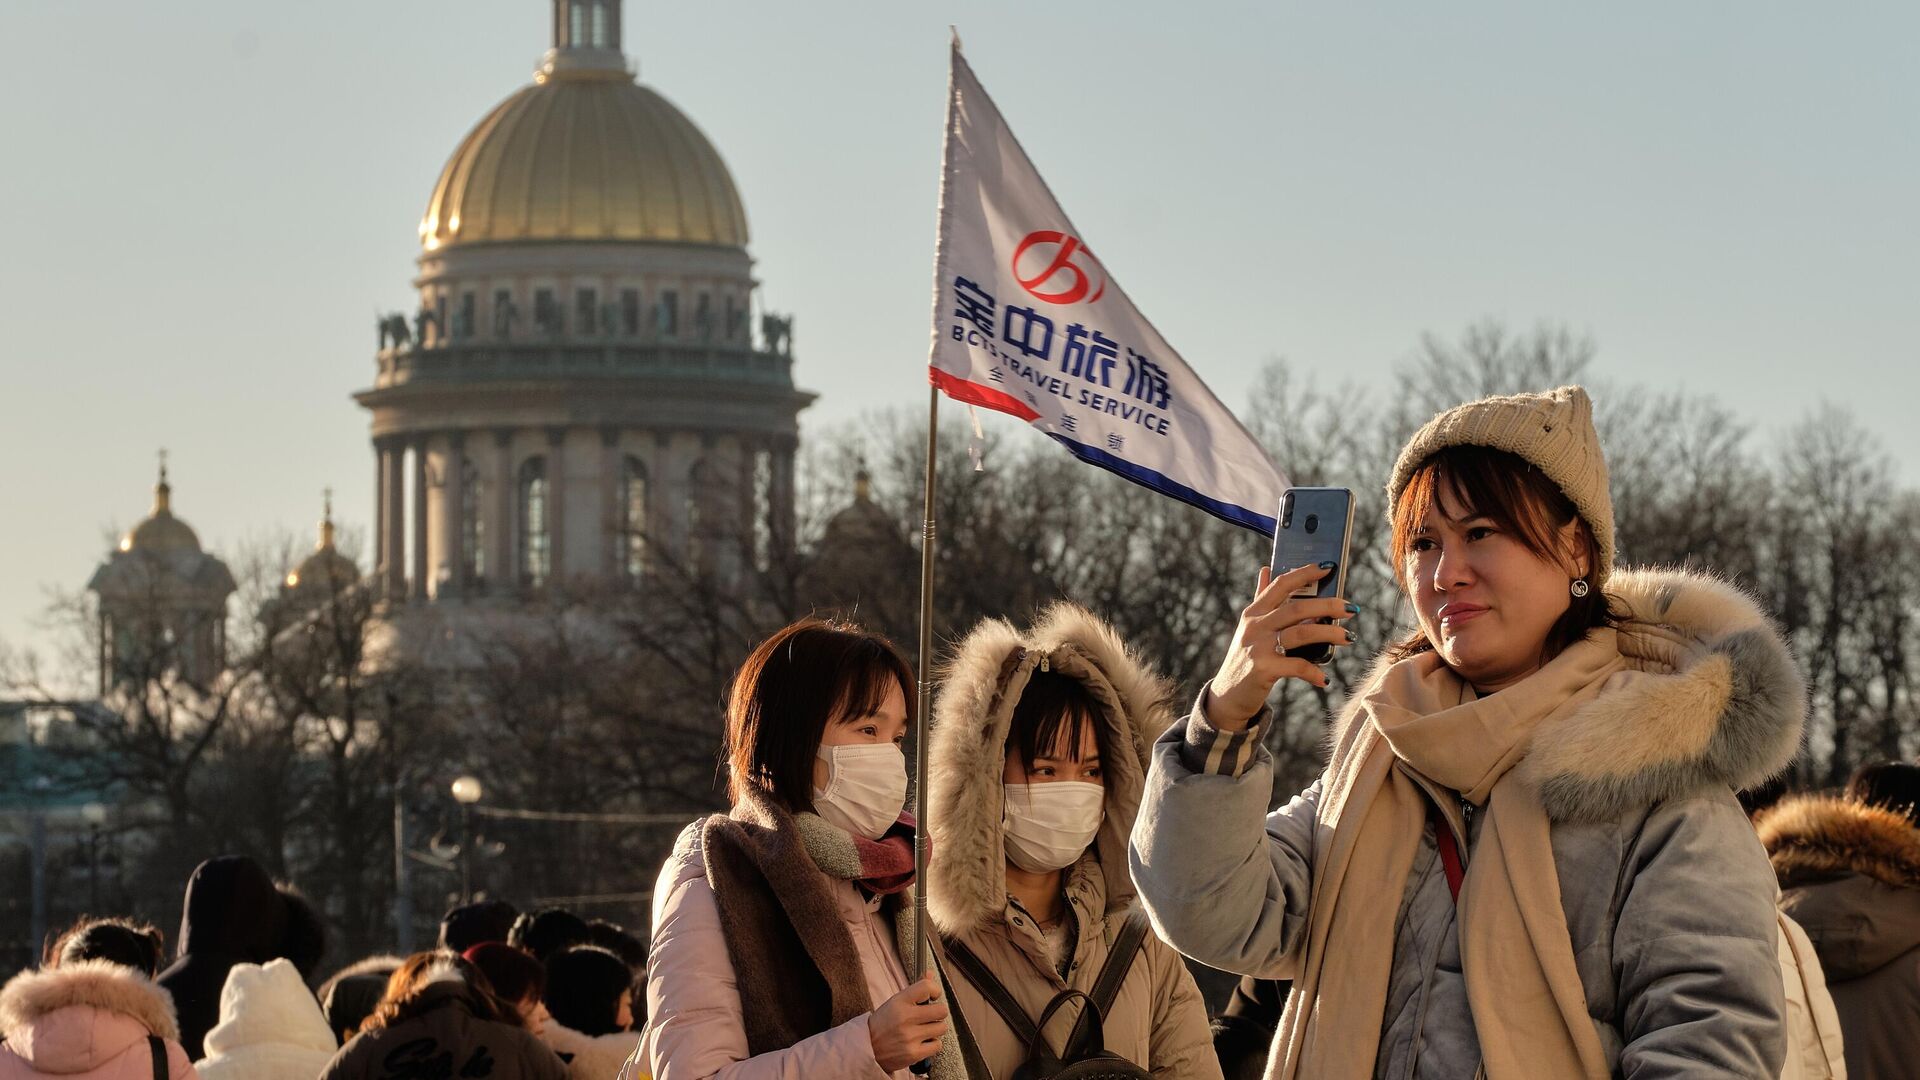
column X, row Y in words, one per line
column 1850, row 875
column 981, row 685
column 109, row 987
column 1711, row 698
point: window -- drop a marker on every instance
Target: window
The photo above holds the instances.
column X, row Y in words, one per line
column 546, row 312
column 535, row 556
column 703, row 317
column 503, row 314
column 463, row 320
column 473, row 530
column 633, row 517
column 668, row 315
column 630, row 312
column 586, row 303
column 734, row 319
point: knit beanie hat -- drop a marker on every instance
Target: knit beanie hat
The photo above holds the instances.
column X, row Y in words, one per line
column 1553, row 432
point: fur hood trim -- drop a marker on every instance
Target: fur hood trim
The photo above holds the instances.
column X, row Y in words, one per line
column 100, row 984
column 1811, row 837
column 1711, row 699
column 980, row 686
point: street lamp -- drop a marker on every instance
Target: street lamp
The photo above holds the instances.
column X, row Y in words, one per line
column 466, row 792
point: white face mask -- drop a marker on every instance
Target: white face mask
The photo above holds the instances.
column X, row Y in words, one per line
column 1049, row 825
column 866, row 787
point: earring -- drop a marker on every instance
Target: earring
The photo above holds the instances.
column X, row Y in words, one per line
column 1580, row 587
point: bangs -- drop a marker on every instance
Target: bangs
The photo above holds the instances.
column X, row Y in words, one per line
column 863, row 684
column 1049, row 715
column 1504, row 488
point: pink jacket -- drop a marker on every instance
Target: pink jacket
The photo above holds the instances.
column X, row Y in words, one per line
column 693, row 1006
column 88, row 1020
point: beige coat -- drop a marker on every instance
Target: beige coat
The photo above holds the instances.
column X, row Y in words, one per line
column 1158, row 1020
column 1813, row 1027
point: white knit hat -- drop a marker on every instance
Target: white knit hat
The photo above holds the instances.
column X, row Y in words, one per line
column 1553, row 432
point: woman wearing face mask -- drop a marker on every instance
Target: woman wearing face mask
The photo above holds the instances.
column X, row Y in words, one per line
column 781, row 930
column 1524, row 858
column 1038, row 756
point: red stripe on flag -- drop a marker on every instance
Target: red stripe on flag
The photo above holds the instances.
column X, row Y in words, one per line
column 974, row 394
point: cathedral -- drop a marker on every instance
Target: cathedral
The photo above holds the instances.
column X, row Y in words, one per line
column 585, row 395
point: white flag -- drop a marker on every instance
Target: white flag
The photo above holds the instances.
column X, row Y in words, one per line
column 1026, row 321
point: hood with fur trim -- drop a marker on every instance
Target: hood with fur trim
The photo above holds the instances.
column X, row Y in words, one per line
column 982, row 683
column 1851, row 878
column 1711, row 698
column 79, row 1017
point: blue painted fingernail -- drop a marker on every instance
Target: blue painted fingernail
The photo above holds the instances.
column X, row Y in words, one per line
column 1352, row 610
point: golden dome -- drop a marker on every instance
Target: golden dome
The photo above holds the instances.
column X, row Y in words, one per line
column 585, row 155
column 325, row 567
column 161, row 532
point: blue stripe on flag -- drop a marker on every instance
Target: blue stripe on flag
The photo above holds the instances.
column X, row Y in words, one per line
column 1166, row 485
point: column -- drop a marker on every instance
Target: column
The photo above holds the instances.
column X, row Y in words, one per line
column 420, row 583
column 613, row 527
column 379, row 510
column 783, row 451
column 395, row 519
column 557, row 503
column 506, row 567
column 453, row 496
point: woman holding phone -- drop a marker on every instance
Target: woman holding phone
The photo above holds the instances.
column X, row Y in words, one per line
column 1524, row 858
column 782, row 930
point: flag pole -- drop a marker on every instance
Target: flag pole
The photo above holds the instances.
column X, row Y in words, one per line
column 921, row 717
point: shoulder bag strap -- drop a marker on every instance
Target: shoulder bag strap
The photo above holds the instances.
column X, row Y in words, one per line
column 970, row 1056
column 158, row 1048
column 990, row 988
column 1106, row 986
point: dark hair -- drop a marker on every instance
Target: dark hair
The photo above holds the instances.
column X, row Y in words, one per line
column 615, row 938
column 584, row 985
column 470, row 924
column 127, row 942
column 305, row 940
column 405, row 996
column 1763, row 795
column 349, row 996
column 789, row 689
column 1052, row 702
column 1891, row 785
column 1522, row 502
column 516, row 977
column 547, row 931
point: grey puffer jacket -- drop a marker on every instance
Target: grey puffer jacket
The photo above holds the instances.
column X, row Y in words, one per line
column 1667, row 893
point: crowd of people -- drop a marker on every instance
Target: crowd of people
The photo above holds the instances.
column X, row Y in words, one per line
column 1550, row 840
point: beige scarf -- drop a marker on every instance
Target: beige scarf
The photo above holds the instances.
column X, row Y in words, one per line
column 1417, row 716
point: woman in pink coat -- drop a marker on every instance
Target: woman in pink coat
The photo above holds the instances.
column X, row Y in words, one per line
column 94, row 1012
column 778, row 928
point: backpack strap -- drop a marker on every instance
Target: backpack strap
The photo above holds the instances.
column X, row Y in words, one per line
column 158, row 1048
column 970, row 1056
column 1106, row 986
column 990, row 988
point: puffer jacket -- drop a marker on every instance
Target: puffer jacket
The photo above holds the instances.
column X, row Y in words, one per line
column 270, row 1028
column 87, row 1020
column 1850, row 876
column 442, row 1036
column 1158, row 1020
column 695, row 1029
column 1667, row 894
column 1813, row 1024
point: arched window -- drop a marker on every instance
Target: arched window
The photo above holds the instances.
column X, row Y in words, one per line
column 536, row 560
column 633, row 517
column 473, row 530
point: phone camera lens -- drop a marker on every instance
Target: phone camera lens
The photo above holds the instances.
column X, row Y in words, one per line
column 1286, row 510
column 1313, row 522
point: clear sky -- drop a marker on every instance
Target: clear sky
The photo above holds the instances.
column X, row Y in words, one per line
column 203, row 205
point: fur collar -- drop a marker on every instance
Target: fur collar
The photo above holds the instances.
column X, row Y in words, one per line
column 982, row 682
column 1713, row 700
column 1811, row 837
column 31, row 995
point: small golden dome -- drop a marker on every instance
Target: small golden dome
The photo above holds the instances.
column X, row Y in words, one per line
column 585, row 155
column 161, row 532
column 325, row 567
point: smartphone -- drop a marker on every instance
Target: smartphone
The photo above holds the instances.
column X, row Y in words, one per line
column 1314, row 525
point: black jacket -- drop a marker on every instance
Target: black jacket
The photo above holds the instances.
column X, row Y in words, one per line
column 233, row 915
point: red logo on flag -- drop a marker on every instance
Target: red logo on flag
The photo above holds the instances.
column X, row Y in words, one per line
column 1065, row 279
